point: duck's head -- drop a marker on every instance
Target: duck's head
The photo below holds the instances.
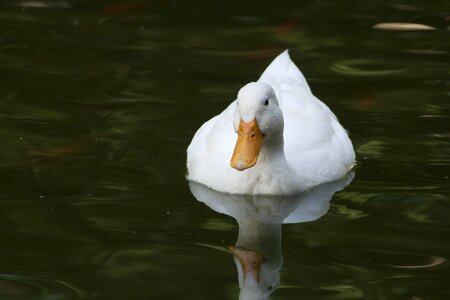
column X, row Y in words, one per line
column 258, row 120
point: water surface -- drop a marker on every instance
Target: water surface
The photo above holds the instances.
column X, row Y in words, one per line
column 99, row 100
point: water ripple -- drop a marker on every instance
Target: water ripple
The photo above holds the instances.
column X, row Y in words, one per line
column 389, row 258
column 23, row 287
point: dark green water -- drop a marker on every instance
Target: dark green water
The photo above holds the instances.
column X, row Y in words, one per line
column 99, row 100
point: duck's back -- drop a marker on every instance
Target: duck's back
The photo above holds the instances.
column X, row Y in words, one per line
column 315, row 143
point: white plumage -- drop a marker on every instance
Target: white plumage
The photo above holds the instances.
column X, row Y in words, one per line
column 312, row 149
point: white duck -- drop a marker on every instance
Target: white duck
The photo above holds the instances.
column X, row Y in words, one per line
column 287, row 140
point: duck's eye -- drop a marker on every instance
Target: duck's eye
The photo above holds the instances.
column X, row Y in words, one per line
column 267, row 102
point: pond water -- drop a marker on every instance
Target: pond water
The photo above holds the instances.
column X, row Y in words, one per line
column 100, row 99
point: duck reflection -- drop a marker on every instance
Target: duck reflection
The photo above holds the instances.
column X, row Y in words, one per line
column 257, row 252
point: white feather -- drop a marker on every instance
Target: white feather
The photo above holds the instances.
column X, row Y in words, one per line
column 317, row 148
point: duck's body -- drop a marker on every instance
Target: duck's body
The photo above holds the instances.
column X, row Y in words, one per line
column 313, row 148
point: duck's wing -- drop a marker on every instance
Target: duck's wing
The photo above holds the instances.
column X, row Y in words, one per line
column 212, row 145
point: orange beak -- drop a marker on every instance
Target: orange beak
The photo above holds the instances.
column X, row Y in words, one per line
column 251, row 261
column 248, row 146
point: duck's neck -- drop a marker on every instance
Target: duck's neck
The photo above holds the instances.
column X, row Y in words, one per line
column 273, row 174
column 272, row 152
